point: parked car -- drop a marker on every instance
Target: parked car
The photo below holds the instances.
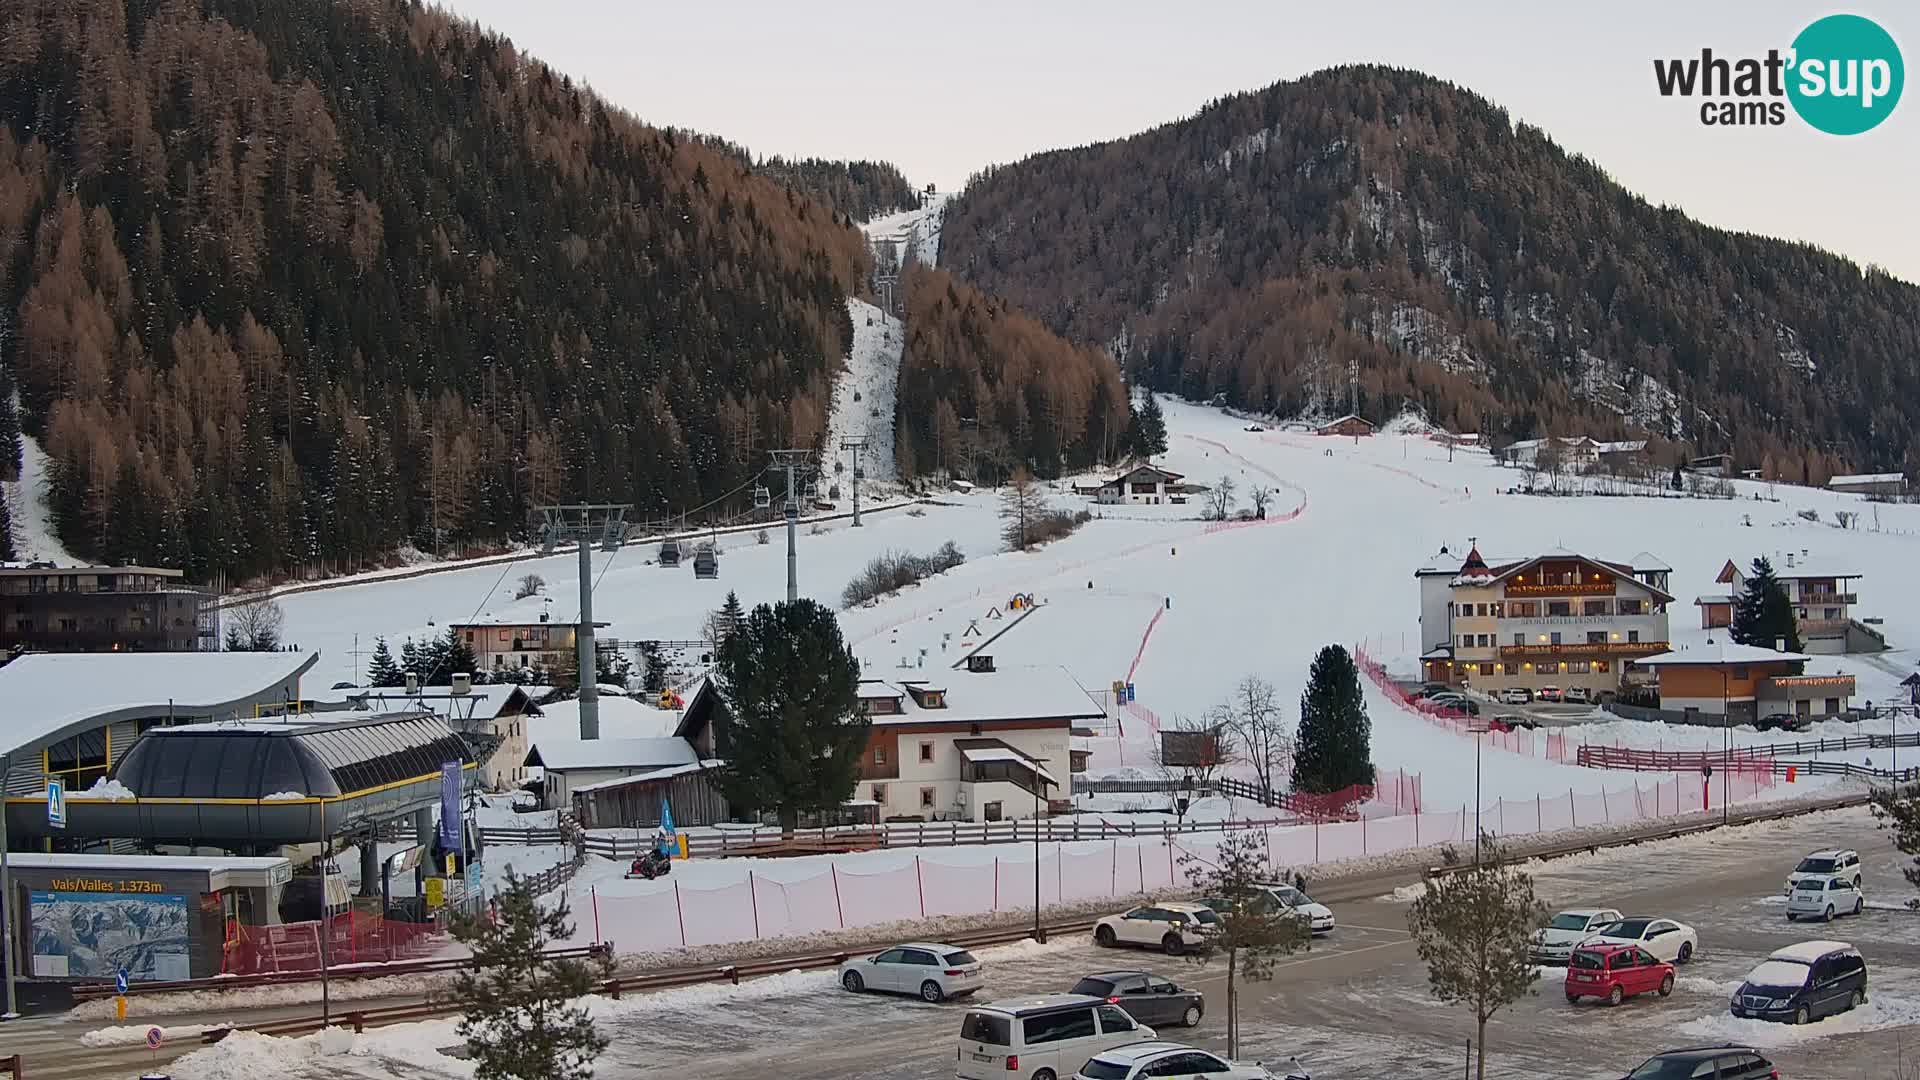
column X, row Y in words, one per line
column 1783, row 721
column 1509, row 722
column 1515, row 695
column 1802, row 983
column 1279, row 896
column 1157, row 1059
column 1841, row 861
column 1674, row 942
column 1173, row 926
column 1724, row 1062
column 1456, row 702
column 1254, row 427
column 1040, row 1038
column 1147, row 997
column 1551, row 693
column 1577, row 695
column 1616, row 973
column 1554, row 941
column 933, row 972
column 1433, row 688
column 1823, row 897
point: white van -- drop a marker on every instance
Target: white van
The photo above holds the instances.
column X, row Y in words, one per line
column 1046, row 1037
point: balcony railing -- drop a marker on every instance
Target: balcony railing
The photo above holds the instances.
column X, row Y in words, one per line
column 1579, row 588
column 1826, row 626
column 1809, row 686
column 1586, row 648
column 1813, row 598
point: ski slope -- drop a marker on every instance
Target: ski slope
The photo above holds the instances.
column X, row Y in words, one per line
column 34, row 539
column 1334, row 563
column 863, row 396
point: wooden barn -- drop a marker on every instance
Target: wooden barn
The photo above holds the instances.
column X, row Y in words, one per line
column 1346, row 425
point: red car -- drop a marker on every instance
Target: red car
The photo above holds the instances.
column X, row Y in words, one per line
column 1616, row 972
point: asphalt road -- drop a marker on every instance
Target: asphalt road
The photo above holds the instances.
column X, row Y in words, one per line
column 1354, row 1006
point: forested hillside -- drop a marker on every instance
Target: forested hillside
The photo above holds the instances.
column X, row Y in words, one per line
column 985, row 389
column 859, row 189
column 1466, row 263
column 285, row 282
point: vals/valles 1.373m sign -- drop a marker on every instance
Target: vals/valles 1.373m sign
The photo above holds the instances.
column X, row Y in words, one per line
column 1842, row 75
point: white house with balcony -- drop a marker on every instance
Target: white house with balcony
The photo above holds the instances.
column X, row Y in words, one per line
column 977, row 744
column 1823, row 596
column 1141, row 484
column 1560, row 619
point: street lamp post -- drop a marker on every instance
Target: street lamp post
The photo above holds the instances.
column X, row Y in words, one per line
column 1039, row 796
column 1478, row 730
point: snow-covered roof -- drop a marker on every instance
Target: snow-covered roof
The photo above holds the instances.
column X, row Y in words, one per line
column 1721, row 652
column 1449, row 564
column 560, row 754
column 995, row 750
column 1622, row 446
column 223, row 871
column 1164, row 474
column 1712, row 598
column 651, row 775
column 1809, row 569
column 1343, row 419
column 50, row 696
column 1040, row 692
column 484, row 702
column 1647, row 560
column 1868, row 478
column 620, row 718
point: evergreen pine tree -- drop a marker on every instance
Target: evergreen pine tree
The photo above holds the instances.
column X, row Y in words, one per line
column 1149, row 434
column 654, row 678
column 411, row 658
column 382, row 671
column 7, row 551
column 1763, row 616
column 451, row 654
column 788, row 679
column 235, row 641
column 1333, row 750
column 522, row 1018
column 731, row 614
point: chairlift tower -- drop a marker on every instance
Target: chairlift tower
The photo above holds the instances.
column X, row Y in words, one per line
column 797, row 463
column 856, row 446
column 584, row 523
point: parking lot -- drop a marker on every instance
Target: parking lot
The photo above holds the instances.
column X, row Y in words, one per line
column 1356, row 1005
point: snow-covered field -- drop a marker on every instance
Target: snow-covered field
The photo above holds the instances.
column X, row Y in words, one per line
column 33, row 535
column 1256, row 600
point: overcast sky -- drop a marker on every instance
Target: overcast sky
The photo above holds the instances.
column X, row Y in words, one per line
column 942, row 89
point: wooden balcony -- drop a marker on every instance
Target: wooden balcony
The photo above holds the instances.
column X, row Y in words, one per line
column 1827, row 599
column 1579, row 588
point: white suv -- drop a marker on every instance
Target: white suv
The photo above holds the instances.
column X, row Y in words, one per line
column 1172, row 926
column 1515, row 695
column 1839, row 862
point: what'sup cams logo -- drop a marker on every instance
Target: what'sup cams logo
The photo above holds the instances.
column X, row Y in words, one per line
column 1842, row 75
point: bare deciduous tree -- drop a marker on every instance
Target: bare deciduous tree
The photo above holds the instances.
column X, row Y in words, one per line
column 1261, row 496
column 1254, row 933
column 1220, row 499
column 1021, row 504
column 254, row 625
column 528, row 585
column 1253, row 717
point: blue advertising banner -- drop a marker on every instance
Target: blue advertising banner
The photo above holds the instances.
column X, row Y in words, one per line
column 450, row 805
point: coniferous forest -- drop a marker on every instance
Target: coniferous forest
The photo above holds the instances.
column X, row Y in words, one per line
column 286, row 282
column 1467, row 265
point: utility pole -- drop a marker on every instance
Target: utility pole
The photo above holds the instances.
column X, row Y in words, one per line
column 796, row 463
column 583, row 522
column 856, row 446
column 6, row 899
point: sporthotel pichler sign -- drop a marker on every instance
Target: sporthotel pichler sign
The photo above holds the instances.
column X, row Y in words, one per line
column 102, row 885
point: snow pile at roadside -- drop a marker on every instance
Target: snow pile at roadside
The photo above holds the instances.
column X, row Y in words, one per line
column 175, row 1003
column 245, row 1055
column 136, row 1034
column 1879, row 1013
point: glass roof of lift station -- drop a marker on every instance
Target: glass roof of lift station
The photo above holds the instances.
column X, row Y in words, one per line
column 306, row 758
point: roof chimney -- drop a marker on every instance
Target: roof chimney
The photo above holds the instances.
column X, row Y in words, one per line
column 413, row 683
column 462, row 682
column 1779, row 644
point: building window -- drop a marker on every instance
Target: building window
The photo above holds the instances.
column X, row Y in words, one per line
column 1602, row 666
column 1595, row 607
column 879, row 793
column 926, row 751
column 1524, row 609
column 1485, row 641
column 926, row 797
column 879, row 755
column 1633, row 607
column 1498, row 609
column 1831, row 613
column 1633, row 635
column 1578, row 667
column 1559, row 607
column 1466, row 641
column 1486, row 669
column 1480, row 610
column 1556, row 637
column 1596, row 637
column 1512, row 669
column 1519, row 639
